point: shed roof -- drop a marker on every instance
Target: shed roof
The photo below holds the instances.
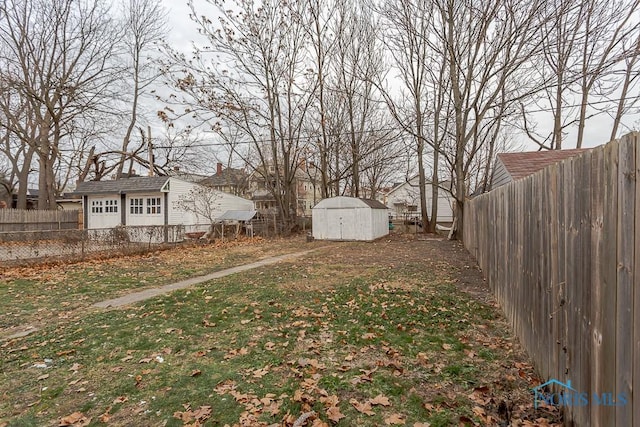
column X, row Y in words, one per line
column 520, row 165
column 140, row 184
column 343, row 202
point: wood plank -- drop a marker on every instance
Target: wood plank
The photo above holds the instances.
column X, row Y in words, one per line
column 572, row 282
column 584, row 233
column 554, row 274
column 596, row 284
column 625, row 254
column 608, row 277
column 562, row 282
column 635, row 401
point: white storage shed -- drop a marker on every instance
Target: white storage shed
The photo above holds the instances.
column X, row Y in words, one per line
column 349, row 218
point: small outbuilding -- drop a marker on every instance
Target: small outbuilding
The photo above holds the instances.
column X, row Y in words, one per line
column 349, row 218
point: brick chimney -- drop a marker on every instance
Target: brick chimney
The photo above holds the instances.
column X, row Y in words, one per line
column 219, row 169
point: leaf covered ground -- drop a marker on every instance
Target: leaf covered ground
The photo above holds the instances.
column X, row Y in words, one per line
column 396, row 332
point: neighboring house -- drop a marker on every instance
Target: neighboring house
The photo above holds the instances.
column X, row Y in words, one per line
column 513, row 166
column 69, row 202
column 32, row 198
column 350, row 218
column 403, row 200
column 186, row 176
column 229, row 180
column 306, row 192
column 157, row 200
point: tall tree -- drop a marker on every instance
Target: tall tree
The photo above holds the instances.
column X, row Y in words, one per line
column 55, row 55
column 484, row 46
column 407, row 27
column 251, row 78
column 144, row 26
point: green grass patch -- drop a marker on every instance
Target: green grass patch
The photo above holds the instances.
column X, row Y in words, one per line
column 342, row 332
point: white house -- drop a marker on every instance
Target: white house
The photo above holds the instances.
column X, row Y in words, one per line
column 157, row 200
column 349, row 218
column 403, row 200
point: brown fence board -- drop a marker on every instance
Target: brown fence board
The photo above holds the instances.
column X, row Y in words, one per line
column 559, row 251
column 624, row 317
column 598, row 362
column 635, row 402
column 37, row 220
column 608, row 275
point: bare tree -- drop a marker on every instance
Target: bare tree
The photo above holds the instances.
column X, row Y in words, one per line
column 631, row 74
column 202, row 201
column 407, row 28
column 255, row 84
column 56, row 57
column 358, row 64
column 144, row 23
column 484, row 46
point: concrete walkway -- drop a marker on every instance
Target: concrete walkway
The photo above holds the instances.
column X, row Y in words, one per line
column 153, row 292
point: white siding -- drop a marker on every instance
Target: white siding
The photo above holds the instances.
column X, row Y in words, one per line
column 103, row 211
column 180, row 190
column 380, row 223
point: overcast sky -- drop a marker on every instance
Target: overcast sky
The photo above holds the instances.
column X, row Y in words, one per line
column 182, row 32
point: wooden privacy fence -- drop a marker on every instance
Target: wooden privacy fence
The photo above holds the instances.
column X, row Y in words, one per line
column 559, row 251
column 36, row 220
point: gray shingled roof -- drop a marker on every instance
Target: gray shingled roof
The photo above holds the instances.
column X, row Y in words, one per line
column 140, row 184
column 374, row 204
column 520, row 165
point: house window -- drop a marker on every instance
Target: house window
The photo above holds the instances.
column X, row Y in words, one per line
column 96, row 206
column 153, row 206
column 111, row 206
column 135, row 206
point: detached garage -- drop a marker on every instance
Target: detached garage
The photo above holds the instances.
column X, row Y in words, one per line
column 349, row 218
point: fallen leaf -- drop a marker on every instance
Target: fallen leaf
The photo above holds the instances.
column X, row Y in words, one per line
column 76, row 419
column 447, row 346
column 395, row 419
column 380, row 400
column 75, row 367
column 120, row 399
column 329, row 401
column 334, row 414
column 43, row 377
column 368, row 336
column 478, row 411
column 145, row 360
column 196, row 372
column 364, row 408
column 259, row 373
column 421, row 424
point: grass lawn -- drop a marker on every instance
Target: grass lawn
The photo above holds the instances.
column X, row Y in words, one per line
column 362, row 334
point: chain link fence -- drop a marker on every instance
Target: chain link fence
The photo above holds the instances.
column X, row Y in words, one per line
column 24, row 247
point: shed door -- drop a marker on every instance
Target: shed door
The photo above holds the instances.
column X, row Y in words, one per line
column 104, row 212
